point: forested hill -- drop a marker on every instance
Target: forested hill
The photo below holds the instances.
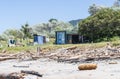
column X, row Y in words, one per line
column 75, row 22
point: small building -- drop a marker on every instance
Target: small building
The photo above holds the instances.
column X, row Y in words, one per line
column 62, row 37
column 11, row 42
column 73, row 38
column 39, row 39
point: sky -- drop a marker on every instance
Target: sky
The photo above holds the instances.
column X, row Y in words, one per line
column 14, row 13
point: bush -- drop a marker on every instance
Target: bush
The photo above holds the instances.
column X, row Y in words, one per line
column 115, row 38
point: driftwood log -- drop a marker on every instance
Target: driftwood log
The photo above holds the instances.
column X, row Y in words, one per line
column 12, row 76
column 113, row 62
column 87, row 66
column 6, row 58
column 72, row 48
column 32, row 73
column 21, row 75
column 21, row 66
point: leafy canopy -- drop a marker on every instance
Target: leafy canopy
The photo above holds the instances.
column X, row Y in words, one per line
column 104, row 24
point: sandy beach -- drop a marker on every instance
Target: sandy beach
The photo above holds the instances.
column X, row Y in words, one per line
column 54, row 70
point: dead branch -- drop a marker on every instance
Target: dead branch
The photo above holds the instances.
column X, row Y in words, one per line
column 31, row 72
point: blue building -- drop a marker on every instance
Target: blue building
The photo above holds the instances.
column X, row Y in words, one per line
column 39, row 39
column 62, row 37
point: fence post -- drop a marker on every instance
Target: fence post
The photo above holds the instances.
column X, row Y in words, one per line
column 38, row 51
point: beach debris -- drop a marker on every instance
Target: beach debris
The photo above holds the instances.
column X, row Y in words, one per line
column 21, row 75
column 13, row 75
column 21, row 66
column 72, row 48
column 32, row 73
column 87, row 66
column 113, row 62
column 6, row 58
column 4, row 51
column 71, row 54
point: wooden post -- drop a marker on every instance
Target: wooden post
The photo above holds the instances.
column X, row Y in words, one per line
column 38, row 51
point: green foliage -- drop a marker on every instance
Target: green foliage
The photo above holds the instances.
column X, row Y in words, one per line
column 116, row 44
column 53, row 20
column 115, row 38
column 48, row 29
column 93, row 9
column 26, row 30
column 103, row 25
column 14, row 33
column 2, row 38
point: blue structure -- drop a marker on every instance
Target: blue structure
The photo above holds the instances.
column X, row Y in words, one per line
column 39, row 39
column 61, row 37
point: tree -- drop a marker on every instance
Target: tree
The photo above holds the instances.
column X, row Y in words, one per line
column 93, row 9
column 1, row 37
column 50, row 28
column 103, row 24
column 27, row 31
column 52, row 20
column 14, row 33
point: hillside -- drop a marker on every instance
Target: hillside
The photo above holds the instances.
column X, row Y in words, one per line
column 75, row 22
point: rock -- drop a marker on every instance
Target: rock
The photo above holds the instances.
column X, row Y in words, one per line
column 87, row 66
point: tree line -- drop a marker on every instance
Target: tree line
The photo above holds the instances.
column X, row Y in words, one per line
column 47, row 29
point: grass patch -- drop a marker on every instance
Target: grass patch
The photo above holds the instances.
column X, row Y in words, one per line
column 17, row 49
column 52, row 46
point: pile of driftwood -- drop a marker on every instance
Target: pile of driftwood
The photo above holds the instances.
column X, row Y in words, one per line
column 21, row 75
column 76, row 54
column 27, row 55
column 70, row 54
column 24, row 55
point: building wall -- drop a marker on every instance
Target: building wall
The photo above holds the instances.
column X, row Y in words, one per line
column 61, row 37
column 39, row 39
